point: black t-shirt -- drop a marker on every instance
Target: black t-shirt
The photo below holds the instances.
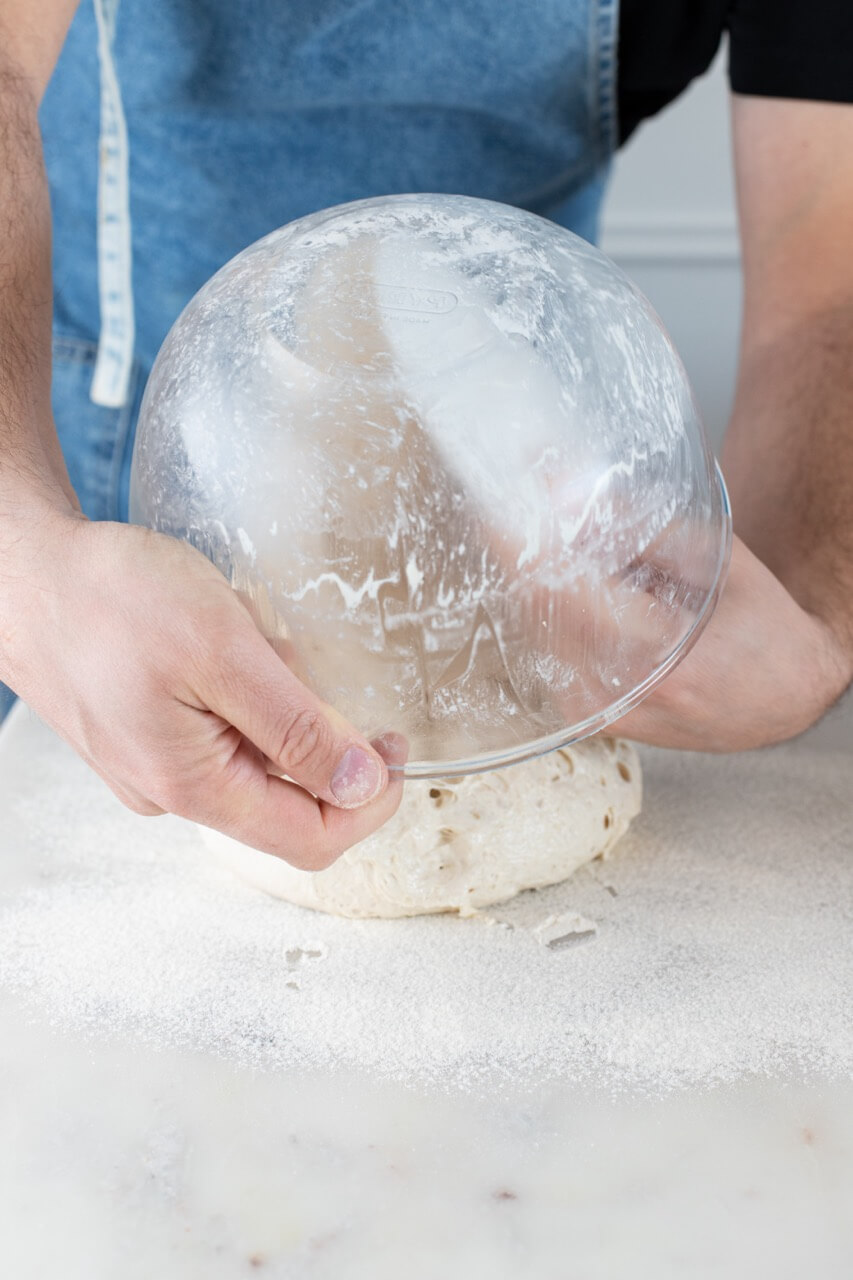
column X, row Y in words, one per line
column 777, row 49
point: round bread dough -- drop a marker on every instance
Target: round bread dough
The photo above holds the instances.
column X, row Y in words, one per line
column 462, row 844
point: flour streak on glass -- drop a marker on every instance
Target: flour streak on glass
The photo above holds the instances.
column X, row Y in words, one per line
column 448, row 456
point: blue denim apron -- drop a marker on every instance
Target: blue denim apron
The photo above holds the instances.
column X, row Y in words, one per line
column 241, row 117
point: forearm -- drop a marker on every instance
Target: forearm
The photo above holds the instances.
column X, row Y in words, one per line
column 788, row 458
column 32, row 470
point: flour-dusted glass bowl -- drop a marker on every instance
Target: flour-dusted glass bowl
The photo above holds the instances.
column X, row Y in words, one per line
column 449, row 457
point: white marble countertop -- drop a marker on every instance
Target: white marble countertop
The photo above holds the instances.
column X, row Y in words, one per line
column 121, row 1158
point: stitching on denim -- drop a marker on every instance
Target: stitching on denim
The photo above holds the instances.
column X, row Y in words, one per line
column 73, row 350
column 602, row 113
column 82, row 352
column 604, row 116
column 123, row 426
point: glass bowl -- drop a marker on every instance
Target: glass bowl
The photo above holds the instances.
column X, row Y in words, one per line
column 450, row 459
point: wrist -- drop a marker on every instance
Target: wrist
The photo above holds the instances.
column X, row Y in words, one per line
column 35, row 523
column 27, row 500
column 34, row 479
column 36, row 527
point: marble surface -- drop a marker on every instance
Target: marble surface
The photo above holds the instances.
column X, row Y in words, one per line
column 119, row 1159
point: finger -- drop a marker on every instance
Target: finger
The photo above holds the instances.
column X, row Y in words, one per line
column 252, row 689
column 280, row 818
column 394, row 750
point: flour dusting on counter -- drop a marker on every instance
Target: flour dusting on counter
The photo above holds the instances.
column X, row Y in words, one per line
column 713, row 944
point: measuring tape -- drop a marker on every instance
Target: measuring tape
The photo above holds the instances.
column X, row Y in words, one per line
column 115, row 285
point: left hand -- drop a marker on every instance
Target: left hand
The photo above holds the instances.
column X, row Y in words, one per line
column 762, row 671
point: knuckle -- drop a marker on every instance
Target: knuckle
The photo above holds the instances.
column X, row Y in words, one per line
column 304, row 739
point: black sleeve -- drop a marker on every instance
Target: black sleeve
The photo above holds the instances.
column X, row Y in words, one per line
column 663, row 45
column 792, row 48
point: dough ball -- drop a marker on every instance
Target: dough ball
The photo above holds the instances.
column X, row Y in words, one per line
column 462, row 844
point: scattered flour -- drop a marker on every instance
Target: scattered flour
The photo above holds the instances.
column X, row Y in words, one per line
column 715, row 941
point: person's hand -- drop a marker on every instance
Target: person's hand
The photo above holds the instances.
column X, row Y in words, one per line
column 762, row 671
column 135, row 649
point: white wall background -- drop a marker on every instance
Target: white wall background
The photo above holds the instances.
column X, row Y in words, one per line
column 670, row 222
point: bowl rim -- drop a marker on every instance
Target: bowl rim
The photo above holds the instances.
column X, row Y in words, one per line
column 518, row 753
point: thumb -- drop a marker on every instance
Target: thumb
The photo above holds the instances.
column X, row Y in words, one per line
column 253, row 690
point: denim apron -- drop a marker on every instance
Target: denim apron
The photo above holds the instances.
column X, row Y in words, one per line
column 241, row 117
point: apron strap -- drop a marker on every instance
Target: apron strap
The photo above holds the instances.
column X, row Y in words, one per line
column 115, row 287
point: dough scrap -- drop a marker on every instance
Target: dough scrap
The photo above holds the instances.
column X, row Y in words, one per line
column 463, row 844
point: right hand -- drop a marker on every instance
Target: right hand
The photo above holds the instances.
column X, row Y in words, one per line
column 135, row 649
